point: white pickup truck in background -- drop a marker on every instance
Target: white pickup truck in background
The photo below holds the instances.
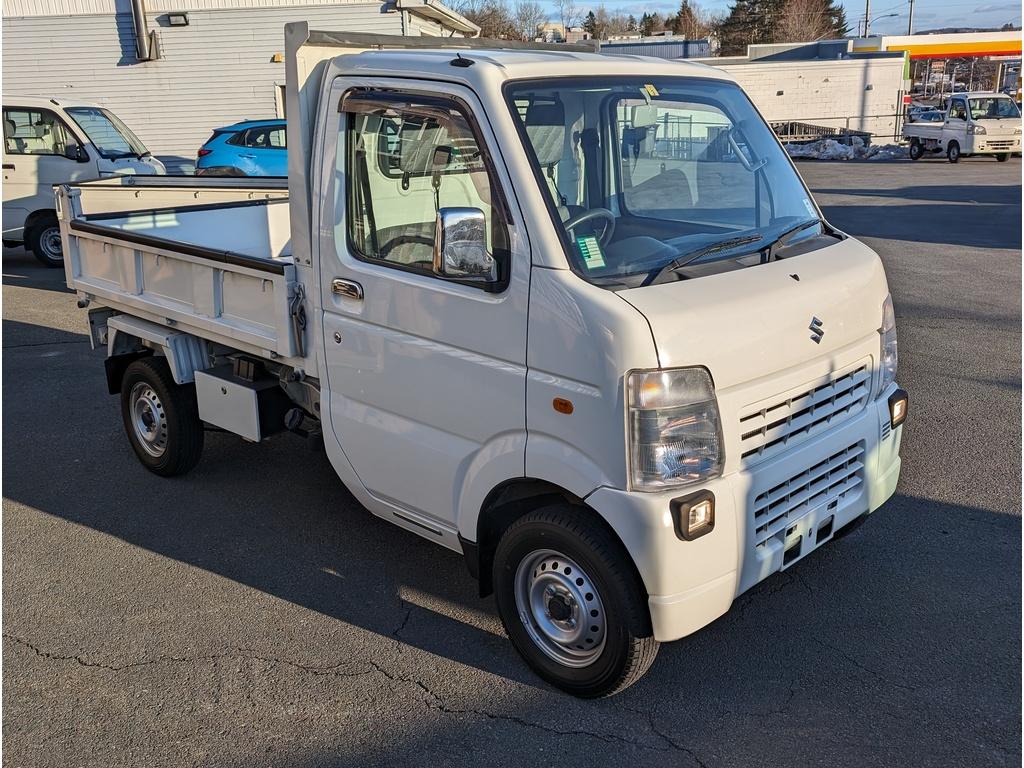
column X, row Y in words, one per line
column 574, row 316
column 973, row 124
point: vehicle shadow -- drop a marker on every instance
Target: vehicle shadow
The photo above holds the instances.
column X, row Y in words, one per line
column 965, row 224
column 995, row 194
column 23, row 269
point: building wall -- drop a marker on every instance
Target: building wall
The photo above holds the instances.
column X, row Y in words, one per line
column 826, row 92
column 214, row 72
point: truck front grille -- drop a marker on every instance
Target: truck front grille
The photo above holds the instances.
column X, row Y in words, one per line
column 1007, row 144
column 830, row 481
column 772, row 428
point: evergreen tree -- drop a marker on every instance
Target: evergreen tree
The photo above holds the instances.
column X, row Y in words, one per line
column 631, row 24
column 590, row 24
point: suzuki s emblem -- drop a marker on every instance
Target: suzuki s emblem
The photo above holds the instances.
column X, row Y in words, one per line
column 817, row 329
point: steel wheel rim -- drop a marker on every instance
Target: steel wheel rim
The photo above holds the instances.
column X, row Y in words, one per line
column 51, row 244
column 149, row 419
column 560, row 608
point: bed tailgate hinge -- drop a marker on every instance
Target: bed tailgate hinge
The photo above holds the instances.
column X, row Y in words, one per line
column 297, row 311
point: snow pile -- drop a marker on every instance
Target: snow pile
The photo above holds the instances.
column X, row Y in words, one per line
column 830, row 149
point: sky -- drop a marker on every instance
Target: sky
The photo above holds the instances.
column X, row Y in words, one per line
column 928, row 14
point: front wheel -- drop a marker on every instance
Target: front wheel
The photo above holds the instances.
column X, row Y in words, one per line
column 572, row 603
column 44, row 241
column 916, row 150
column 953, row 152
column 161, row 418
column 1003, row 157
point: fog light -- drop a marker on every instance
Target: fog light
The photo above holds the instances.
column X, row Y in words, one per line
column 898, row 402
column 693, row 515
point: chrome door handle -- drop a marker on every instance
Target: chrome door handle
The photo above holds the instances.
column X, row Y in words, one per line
column 347, row 288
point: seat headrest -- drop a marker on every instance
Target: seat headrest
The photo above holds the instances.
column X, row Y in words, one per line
column 545, row 127
column 9, row 129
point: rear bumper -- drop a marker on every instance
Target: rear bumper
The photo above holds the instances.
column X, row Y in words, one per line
column 691, row 583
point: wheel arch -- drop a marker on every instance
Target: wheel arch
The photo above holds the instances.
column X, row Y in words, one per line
column 508, row 502
column 33, row 220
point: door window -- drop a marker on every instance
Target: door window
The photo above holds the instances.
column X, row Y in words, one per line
column 407, row 157
column 34, row 132
column 266, row 137
column 958, row 111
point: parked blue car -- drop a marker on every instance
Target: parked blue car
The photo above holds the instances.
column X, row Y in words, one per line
column 249, row 148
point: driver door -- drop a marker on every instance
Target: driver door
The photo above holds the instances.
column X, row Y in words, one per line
column 426, row 376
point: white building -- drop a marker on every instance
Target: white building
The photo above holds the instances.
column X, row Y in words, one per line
column 213, row 62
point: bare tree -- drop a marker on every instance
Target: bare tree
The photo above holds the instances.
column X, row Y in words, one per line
column 492, row 16
column 803, row 21
column 692, row 21
column 568, row 13
column 528, row 15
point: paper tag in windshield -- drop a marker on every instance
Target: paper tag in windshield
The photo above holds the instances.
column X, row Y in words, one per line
column 651, row 90
column 810, row 208
column 590, row 249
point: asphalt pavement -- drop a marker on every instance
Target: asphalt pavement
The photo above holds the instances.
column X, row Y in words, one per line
column 252, row 613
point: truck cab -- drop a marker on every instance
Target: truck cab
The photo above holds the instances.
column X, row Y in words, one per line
column 49, row 142
column 576, row 317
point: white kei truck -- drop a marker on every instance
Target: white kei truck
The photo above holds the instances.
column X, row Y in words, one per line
column 575, row 316
column 972, row 124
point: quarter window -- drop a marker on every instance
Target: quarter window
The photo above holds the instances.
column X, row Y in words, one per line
column 406, row 158
column 35, row 132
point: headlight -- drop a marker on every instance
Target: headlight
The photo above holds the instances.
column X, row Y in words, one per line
column 889, row 358
column 975, row 128
column 674, row 428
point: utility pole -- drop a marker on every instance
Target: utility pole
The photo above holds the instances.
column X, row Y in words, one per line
column 867, row 17
column 910, row 21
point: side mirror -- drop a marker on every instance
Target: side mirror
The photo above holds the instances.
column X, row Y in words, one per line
column 76, row 152
column 460, row 246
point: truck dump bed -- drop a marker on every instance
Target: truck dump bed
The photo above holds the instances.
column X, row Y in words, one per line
column 198, row 255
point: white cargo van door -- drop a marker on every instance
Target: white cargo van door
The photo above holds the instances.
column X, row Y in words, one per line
column 426, row 377
column 35, row 142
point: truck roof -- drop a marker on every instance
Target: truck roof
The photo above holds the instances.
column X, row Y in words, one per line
column 515, row 64
column 44, row 101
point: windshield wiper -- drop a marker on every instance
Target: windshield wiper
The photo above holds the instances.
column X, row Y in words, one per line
column 782, row 240
column 700, row 253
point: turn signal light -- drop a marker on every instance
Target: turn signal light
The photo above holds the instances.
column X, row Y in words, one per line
column 898, row 402
column 693, row 515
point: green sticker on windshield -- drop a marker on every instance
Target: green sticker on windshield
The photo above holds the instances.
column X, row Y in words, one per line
column 590, row 249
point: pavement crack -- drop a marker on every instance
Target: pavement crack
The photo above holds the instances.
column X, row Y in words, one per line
column 45, row 343
column 861, row 666
column 243, row 654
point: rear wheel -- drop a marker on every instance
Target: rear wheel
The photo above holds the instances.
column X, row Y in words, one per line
column 1003, row 157
column 161, row 418
column 953, row 152
column 44, row 241
column 916, row 150
column 572, row 603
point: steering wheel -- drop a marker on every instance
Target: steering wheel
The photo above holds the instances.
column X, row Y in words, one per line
column 594, row 213
column 394, row 242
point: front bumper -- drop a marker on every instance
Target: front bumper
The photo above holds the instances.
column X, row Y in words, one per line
column 985, row 144
column 691, row 583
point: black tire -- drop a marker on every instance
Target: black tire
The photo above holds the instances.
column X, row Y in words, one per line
column 44, row 241
column 953, row 152
column 916, row 150
column 626, row 646
column 1002, row 157
column 148, row 388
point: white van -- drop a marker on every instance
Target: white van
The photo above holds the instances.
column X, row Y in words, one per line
column 49, row 142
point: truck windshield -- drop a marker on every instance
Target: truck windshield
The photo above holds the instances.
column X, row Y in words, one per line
column 993, row 108
column 671, row 178
column 109, row 135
